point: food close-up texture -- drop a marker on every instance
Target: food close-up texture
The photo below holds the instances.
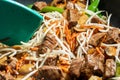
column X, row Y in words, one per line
column 75, row 41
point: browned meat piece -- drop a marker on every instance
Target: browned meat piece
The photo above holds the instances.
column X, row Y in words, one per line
column 6, row 76
column 73, row 16
column 97, row 20
column 72, row 4
column 110, row 68
column 76, row 66
column 84, row 68
column 113, row 36
column 39, row 5
column 94, row 65
column 49, row 73
column 80, row 70
column 86, row 72
column 59, row 3
column 96, row 39
column 96, row 61
column 56, row 2
column 51, row 61
column 49, row 43
column 2, row 67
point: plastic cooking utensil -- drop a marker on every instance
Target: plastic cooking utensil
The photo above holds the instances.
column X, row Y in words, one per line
column 17, row 22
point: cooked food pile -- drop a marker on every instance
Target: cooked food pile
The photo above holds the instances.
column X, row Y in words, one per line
column 74, row 42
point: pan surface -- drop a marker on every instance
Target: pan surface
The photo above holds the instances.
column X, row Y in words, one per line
column 112, row 7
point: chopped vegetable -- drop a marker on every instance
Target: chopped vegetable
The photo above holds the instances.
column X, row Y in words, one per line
column 30, row 5
column 94, row 5
column 118, row 70
column 51, row 8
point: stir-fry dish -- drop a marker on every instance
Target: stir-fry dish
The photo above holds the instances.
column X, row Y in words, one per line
column 74, row 42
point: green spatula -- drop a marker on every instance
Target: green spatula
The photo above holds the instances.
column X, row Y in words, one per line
column 17, row 22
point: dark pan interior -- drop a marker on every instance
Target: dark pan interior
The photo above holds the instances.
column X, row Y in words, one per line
column 112, row 6
column 27, row 2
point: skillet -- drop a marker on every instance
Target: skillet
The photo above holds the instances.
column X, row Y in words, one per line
column 111, row 6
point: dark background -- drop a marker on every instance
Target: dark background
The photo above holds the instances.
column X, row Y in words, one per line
column 112, row 6
column 26, row 2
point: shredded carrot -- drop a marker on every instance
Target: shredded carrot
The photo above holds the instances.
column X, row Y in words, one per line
column 57, row 31
column 71, row 38
column 68, row 35
column 98, row 50
column 47, row 18
column 8, row 69
column 74, row 35
column 64, row 68
column 20, row 62
column 54, row 22
column 34, row 49
column 74, row 1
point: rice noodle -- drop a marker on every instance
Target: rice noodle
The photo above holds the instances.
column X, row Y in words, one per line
column 82, row 43
column 87, row 3
column 6, row 54
column 115, row 78
column 89, row 35
column 63, row 46
column 77, row 7
column 108, row 24
column 9, row 50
